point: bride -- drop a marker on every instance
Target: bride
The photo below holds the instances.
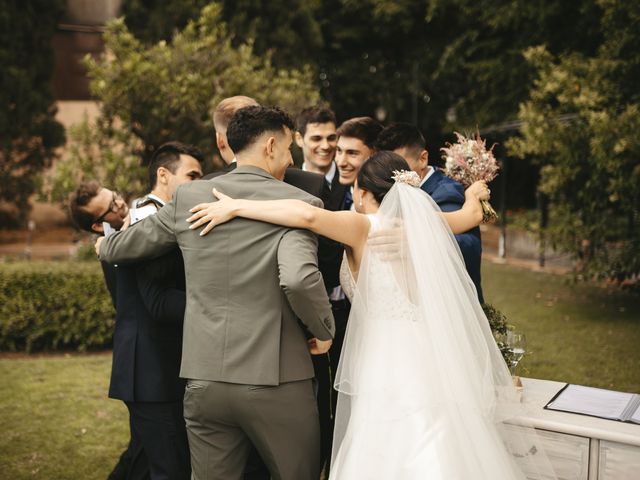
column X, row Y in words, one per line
column 423, row 390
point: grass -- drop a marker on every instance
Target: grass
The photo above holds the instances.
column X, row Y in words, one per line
column 58, row 424
column 576, row 333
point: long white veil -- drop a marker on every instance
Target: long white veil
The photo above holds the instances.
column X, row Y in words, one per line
column 423, row 389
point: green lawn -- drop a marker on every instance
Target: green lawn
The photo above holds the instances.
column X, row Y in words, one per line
column 58, row 424
column 575, row 333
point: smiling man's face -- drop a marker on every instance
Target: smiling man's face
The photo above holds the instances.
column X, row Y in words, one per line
column 351, row 153
column 318, row 145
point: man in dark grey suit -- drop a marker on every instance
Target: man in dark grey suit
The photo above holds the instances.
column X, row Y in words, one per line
column 245, row 356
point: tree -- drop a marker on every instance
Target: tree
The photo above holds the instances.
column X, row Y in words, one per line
column 153, row 20
column 30, row 133
column 286, row 28
column 166, row 91
column 150, row 94
column 97, row 150
column 580, row 124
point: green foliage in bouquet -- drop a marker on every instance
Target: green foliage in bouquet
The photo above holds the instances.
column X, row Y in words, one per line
column 49, row 306
column 499, row 327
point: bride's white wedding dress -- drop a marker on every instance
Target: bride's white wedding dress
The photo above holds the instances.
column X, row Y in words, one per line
column 423, row 390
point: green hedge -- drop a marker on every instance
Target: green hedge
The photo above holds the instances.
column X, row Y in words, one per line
column 66, row 305
column 50, row 305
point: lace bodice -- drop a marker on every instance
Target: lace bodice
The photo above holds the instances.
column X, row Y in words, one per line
column 396, row 302
column 347, row 281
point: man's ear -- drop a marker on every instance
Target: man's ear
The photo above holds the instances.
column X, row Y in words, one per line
column 162, row 174
column 220, row 141
column 423, row 159
column 299, row 139
column 97, row 228
column 270, row 146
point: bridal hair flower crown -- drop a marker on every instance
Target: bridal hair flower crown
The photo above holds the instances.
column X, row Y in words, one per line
column 408, row 177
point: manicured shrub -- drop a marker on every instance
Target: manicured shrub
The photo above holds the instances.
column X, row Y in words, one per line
column 54, row 305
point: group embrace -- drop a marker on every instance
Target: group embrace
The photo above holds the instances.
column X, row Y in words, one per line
column 273, row 322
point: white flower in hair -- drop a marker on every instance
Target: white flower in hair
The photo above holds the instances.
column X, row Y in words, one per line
column 408, row 177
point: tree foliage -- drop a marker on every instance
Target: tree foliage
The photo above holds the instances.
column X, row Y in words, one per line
column 99, row 151
column 446, row 66
column 581, row 125
column 30, row 133
column 454, row 65
column 289, row 29
column 166, row 91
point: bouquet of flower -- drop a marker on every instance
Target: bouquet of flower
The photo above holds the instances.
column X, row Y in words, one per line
column 468, row 161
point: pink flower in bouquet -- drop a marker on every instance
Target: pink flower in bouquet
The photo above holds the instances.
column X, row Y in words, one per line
column 468, row 161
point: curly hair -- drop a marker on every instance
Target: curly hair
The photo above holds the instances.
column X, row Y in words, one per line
column 249, row 123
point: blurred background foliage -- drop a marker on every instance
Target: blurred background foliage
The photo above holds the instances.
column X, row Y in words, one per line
column 554, row 84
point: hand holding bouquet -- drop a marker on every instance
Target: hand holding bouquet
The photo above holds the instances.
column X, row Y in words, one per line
column 468, row 161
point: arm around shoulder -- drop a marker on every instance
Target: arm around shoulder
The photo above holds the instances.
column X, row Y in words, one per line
column 147, row 239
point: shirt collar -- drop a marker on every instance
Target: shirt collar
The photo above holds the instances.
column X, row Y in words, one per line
column 157, row 199
column 430, row 172
column 329, row 176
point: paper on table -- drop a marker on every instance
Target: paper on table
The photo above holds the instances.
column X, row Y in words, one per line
column 592, row 401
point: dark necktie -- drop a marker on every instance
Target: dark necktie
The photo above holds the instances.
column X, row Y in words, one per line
column 348, row 200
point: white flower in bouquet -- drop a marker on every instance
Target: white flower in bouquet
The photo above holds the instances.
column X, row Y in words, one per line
column 468, row 161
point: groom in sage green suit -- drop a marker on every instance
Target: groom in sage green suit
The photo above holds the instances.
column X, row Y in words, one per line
column 245, row 355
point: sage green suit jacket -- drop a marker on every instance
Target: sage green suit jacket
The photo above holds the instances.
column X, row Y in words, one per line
column 247, row 281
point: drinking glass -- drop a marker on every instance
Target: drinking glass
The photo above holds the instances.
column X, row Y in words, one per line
column 516, row 343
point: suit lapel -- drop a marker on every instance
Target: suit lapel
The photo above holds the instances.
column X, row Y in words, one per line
column 335, row 196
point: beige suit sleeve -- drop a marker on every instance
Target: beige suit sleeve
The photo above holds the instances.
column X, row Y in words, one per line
column 302, row 282
column 147, row 239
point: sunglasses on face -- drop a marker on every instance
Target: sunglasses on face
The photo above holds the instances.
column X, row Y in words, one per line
column 113, row 208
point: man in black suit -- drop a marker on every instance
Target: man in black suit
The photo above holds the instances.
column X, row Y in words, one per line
column 317, row 138
column 150, row 304
column 96, row 210
column 407, row 141
column 148, row 335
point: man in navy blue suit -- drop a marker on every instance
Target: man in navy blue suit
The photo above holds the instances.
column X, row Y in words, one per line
column 407, row 141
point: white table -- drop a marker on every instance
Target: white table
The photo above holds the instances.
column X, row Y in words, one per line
column 582, row 447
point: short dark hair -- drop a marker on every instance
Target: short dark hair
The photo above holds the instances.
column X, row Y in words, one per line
column 376, row 173
column 315, row 114
column 401, row 135
column 167, row 155
column 249, row 123
column 79, row 199
column 365, row 129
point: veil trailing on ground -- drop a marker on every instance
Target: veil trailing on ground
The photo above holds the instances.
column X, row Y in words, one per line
column 423, row 389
